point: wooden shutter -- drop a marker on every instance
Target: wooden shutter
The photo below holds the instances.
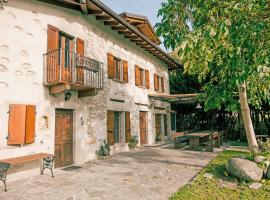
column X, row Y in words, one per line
column 52, row 72
column 156, row 82
column 127, row 126
column 16, row 124
column 137, row 75
column 80, row 52
column 110, row 127
column 147, row 81
column 162, row 84
column 125, row 71
column 30, row 124
column 110, row 65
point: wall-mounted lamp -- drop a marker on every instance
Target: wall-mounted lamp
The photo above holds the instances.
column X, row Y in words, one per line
column 198, row 106
column 67, row 95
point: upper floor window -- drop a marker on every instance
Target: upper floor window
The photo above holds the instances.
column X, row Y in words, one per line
column 159, row 83
column 117, row 68
column 141, row 77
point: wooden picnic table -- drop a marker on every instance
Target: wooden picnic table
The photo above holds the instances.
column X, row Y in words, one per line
column 194, row 138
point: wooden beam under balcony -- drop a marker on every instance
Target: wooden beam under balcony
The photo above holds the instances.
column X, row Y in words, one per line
column 62, row 87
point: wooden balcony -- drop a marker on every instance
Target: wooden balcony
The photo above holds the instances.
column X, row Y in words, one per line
column 65, row 70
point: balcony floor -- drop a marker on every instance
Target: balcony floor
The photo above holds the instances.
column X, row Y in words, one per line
column 56, row 88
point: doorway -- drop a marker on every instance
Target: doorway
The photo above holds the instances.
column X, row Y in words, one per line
column 143, row 128
column 63, row 137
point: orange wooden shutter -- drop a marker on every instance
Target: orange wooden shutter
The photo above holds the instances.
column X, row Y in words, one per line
column 80, row 52
column 137, row 75
column 125, row 71
column 156, row 82
column 127, row 126
column 110, row 127
column 16, row 124
column 147, row 81
column 110, row 65
column 52, row 72
column 162, row 84
column 30, row 124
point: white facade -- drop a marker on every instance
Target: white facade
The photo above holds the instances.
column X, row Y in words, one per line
column 23, row 42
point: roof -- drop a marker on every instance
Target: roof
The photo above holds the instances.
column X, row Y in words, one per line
column 142, row 24
column 118, row 24
column 176, row 98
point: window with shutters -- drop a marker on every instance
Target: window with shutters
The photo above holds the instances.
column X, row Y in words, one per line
column 173, row 121
column 21, row 124
column 118, row 127
column 141, row 77
column 159, row 83
column 117, row 68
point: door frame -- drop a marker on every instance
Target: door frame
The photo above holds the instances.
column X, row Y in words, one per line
column 73, row 131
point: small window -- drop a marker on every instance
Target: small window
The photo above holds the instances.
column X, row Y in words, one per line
column 173, row 121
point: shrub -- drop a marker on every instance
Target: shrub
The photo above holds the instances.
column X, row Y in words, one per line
column 104, row 149
column 158, row 137
column 264, row 147
column 133, row 142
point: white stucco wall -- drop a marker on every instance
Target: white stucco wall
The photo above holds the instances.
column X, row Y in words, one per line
column 23, row 41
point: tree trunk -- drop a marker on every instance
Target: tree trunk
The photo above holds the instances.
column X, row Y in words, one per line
column 245, row 111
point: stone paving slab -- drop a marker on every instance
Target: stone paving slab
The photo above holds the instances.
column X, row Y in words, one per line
column 152, row 173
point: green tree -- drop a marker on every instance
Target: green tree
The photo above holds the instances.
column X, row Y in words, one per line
column 226, row 44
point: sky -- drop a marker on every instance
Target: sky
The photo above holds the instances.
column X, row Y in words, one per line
column 148, row 8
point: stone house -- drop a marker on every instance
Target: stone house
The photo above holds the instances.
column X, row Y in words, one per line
column 74, row 73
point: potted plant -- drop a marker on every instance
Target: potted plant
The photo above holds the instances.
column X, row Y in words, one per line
column 133, row 142
column 104, row 151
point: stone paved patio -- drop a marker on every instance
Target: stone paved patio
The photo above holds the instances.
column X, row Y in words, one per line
column 148, row 173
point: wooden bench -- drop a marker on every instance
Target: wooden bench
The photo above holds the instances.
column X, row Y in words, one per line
column 47, row 163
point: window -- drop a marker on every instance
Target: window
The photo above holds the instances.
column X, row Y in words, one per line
column 21, row 124
column 117, row 68
column 118, row 127
column 159, row 83
column 141, row 77
column 173, row 121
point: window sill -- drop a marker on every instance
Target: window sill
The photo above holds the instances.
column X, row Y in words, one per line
column 143, row 87
column 119, row 81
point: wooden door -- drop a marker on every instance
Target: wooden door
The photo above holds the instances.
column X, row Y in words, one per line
column 63, row 137
column 158, row 125
column 143, row 128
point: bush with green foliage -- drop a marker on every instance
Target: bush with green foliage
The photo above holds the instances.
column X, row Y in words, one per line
column 104, row 149
column 158, row 137
column 133, row 142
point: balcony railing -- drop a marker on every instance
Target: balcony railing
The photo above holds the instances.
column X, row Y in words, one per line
column 62, row 66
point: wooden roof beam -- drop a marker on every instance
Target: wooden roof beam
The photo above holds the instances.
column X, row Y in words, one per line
column 104, row 17
column 118, row 28
column 96, row 12
column 111, row 23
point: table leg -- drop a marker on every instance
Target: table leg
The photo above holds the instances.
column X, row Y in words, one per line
column 194, row 143
column 3, row 173
column 47, row 163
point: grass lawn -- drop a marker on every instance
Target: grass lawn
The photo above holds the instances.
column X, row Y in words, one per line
column 221, row 187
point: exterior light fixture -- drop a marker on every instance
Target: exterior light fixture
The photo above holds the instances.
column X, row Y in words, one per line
column 67, row 95
column 198, row 106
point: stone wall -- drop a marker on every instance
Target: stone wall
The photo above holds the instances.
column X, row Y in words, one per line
column 23, row 42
